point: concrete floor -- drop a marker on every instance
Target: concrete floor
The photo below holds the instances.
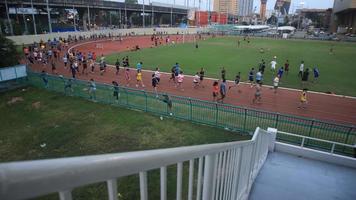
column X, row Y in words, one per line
column 287, row 177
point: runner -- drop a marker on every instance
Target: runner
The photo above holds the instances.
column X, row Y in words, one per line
column 280, row 73
column 237, row 81
column 273, row 64
column 117, row 66
column 215, row 90
column 139, row 79
column 173, row 76
column 65, row 61
column 286, row 67
column 251, row 74
column 303, row 99
column 154, row 84
column 54, row 69
column 127, row 76
column 259, row 77
column 257, row 94
column 180, row 79
column 196, row 80
column 85, row 66
column 157, row 75
column 275, row 84
column 201, row 76
column 222, row 91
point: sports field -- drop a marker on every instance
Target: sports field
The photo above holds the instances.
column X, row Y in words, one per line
column 50, row 125
column 336, row 70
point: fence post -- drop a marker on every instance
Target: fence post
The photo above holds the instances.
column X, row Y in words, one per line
column 245, row 119
column 127, row 97
column 348, row 134
column 208, row 176
column 310, row 129
column 277, row 119
column 191, row 109
column 216, row 114
column 146, row 100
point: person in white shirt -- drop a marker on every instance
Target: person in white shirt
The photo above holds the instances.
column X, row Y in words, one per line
column 273, row 65
column 275, row 84
column 196, row 80
column 301, row 69
column 180, row 79
column 157, row 75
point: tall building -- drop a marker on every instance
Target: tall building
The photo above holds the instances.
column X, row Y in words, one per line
column 245, row 7
column 344, row 12
column 263, row 8
column 282, row 6
column 226, row 6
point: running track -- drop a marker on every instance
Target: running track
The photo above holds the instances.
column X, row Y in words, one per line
column 321, row 106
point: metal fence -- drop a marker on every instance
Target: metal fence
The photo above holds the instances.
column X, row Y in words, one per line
column 225, row 170
column 233, row 118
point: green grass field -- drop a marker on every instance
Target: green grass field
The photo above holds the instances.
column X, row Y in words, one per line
column 336, row 71
column 71, row 126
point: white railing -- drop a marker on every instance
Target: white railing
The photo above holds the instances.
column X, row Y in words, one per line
column 225, row 171
column 304, row 138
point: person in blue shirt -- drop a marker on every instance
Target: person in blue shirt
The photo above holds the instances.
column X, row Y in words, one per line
column 44, row 77
column 259, row 77
column 176, row 70
column 222, row 91
column 139, row 66
column 251, row 75
column 280, row 73
column 316, row 74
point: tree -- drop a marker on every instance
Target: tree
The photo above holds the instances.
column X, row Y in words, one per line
column 131, row 1
column 8, row 53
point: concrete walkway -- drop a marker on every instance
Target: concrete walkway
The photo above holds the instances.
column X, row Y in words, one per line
column 284, row 176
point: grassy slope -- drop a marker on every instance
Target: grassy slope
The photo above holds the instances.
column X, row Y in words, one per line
column 336, row 70
column 73, row 127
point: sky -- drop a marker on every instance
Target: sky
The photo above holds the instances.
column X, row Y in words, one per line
column 270, row 4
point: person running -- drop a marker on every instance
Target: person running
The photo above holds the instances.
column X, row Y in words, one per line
column 176, row 71
column 117, row 66
column 196, row 80
column 102, row 68
column 44, row 77
column 222, row 91
column 73, row 70
column 251, row 75
column 215, row 91
column 236, row 82
column 262, row 66
column 139, row 79
column 116, row 93
column 85, row 66
column 92, row 89
column 54, row 69
column 316, row 74
column 92, row 65
column 258, row 94
column 127, row 76
column 275, row 83
column 280, row 73
column 154, row 84
column 303, row 99
column 273, row 64
column 223, row 73
column 305, row 78
column 301, row 69
column 259, row 77
column 139, row 66
column 173, row 76
column 180, row 79
column 157, row 75
column 201, row 76
column 65, row 61
column 286, row 66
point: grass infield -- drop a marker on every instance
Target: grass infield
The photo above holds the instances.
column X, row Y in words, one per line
column 336, row 70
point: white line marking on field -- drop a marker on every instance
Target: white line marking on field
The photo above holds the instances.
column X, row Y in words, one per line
column 229, row 81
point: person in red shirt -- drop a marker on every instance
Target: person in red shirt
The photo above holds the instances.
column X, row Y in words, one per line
column 286, row 67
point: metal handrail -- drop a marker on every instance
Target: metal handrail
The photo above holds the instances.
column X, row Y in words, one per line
column 317, row 139
column 28, row 179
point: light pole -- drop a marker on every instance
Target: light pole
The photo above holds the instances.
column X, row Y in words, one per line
column 143, row 13
column 33, row 19
column 152, row 16
column 89, row 24
column 49, row 17
column 8, row 19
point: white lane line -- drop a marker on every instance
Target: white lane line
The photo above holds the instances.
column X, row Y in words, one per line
column 267, row 86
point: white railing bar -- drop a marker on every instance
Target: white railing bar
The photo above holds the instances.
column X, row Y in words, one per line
column 252, row 163
column 239, row 171
column 317, row 139
column 200, row 171
column 332, row 148
column 163, row 175
column 223, row 172
column 219, row 175
column 112, row 189
column 215, row 175
column 233, row 164
column 98, row 168
column 208, row 176
column 65, row 195
column 303, row 141
column 190, row 181
column 179, row 180
column 228, row 166
column 236, row 171
column 143, row 186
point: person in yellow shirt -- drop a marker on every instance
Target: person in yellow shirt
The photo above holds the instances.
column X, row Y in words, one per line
column 139, row 79
column 303, row 99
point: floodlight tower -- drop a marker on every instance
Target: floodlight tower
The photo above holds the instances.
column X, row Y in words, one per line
column 263, row 9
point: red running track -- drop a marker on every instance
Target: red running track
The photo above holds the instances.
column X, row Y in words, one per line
column 320, row 106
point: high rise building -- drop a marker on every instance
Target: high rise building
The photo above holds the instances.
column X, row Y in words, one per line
column 344, row 12
column 226, row 6
column 245, row 7
column 263, row 9
column 282, row 6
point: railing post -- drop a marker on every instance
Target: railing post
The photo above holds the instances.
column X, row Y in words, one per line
column 127, row 96
column 216, row 114
column 112, row 189
column 208, row 176
column 273, row 135
column 277, row 119
column 163, row 183
column 190, row 182
column 200, row 171
column 143, row 185
column 333, row 149
column 179, row 180
column 146, row 100
column 65, row 195
column 245, row 119
column 311, row 128
column 303, row 140
column 191, row 109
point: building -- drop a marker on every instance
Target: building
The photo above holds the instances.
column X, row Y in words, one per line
column 226, row 6
column 344, row 16
column 245, row 8
column 263, row 7
column 319, row 18
column 282, row 6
